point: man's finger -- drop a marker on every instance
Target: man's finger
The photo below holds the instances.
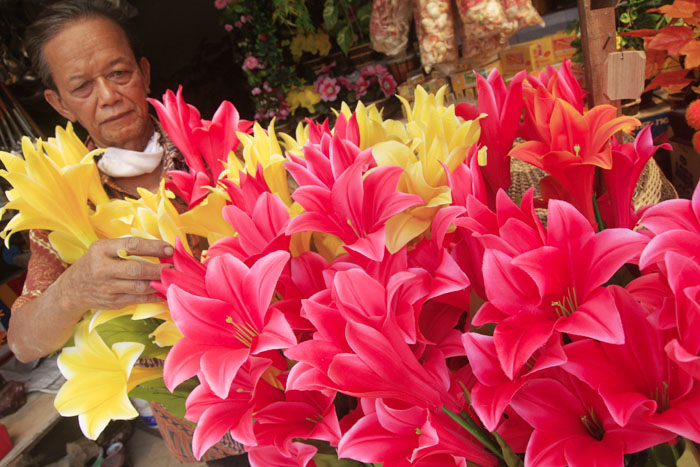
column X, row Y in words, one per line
column 135, row 246
column 132, row 269
column 127, row 287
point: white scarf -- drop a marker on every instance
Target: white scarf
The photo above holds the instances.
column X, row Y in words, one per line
column 118, row 163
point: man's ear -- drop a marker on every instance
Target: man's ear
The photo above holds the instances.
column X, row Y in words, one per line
column 54, row 99
column 146, row 73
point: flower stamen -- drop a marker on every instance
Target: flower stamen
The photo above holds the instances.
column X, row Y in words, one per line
column 567, row 305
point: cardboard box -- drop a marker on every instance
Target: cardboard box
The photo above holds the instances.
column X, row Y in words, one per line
column 518, row 57
column 543, row 53
column 685, row 167
column 561, row 45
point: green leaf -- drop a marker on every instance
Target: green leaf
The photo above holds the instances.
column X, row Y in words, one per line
column 624, row 18
column 511, row 458
column 344, row 39
column 330, row 14
column 155, row 391
column 364, row 12
column 125, row 329
column 331, row 460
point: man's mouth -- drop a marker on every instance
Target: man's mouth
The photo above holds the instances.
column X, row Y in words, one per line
column 117, row 117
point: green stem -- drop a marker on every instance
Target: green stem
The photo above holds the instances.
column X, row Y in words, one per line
column 674, row 451
column 474, row 431
column 598, row 216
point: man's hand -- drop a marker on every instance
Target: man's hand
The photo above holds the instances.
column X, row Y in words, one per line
column 102, row 280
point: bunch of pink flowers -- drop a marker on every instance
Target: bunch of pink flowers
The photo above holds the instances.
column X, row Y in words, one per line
column 491, row 334
column 357, row 83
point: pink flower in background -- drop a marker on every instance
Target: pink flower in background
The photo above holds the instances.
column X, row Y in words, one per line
column 267, row 87
column 244, row 19
column 221, row 4
column 388, row 84
column 251, row 63
column 325, row 69
column 237, row 24
column 347, row 83
column 328, row 88
column 361, row 86
column 373, row 70
column 255, row 91
column 228, row 27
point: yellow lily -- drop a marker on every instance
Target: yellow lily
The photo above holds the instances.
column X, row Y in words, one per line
column 49, row 197
column 167, row 334
column 261, row 148
column 99, row 380
column 206, row 220
column 295, row 145
column 435, row 136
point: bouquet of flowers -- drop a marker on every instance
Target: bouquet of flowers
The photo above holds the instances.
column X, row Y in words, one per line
column 370, row 292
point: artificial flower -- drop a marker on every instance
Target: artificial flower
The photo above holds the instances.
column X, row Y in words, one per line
column 388, row 84
column 327, row 87
column 251, row 63
column 98, row 381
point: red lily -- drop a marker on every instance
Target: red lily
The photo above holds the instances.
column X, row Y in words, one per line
column 684, row 280
column 401, row 435
column 259, row 232
column 231, row 322
column 215, row 416
column 561, row 84
column 355, row 208
column 638, row 377
column 203, row 143
column 621, row 179
column 555, row 288
column 568, row 146
column 301, row 455
column 502, row 107
column 573, row 426
column 493, row 391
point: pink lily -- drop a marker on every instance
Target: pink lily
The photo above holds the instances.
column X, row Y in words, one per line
column 493, row 391
column 301, row 455
column 215, row 416
column 355, row 208
column 572, row 425
column 203, row 143
column 398, row 435
column 303, row 414
column 259, row 232
column 621, row 179
column 556, row 288
column 503, row 107
column 188, row 273
column 231, row 322
column 638, row 377
column 684, row 281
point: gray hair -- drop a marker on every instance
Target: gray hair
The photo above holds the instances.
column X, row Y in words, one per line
column 56, row 16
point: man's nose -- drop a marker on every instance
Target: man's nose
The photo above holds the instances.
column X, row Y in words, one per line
column 107, row 93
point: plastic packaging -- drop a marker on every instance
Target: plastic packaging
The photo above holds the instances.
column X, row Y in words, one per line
column 389, row 25
column 522, row 12
column 436, row 32
column 484, row 27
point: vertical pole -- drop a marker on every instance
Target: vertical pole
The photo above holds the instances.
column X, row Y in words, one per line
column 597, row 40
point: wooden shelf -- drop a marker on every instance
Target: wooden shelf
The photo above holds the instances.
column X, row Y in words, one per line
column 29, row 424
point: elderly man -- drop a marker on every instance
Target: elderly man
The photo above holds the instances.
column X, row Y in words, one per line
column 93, row 77
column 87, row 63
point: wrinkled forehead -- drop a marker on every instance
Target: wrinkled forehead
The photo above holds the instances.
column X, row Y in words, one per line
column 87, row 45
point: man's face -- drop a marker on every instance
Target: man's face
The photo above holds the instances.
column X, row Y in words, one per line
column 99, row 83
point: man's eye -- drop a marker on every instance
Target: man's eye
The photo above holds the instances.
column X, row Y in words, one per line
column 82, row 89
column 120, row 76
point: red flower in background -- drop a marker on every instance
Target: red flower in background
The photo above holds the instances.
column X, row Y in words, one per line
column 204, row 144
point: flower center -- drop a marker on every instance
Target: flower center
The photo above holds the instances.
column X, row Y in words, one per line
column 567, row 305
column 245, row 333
column 662, row 398
column 593, row 426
